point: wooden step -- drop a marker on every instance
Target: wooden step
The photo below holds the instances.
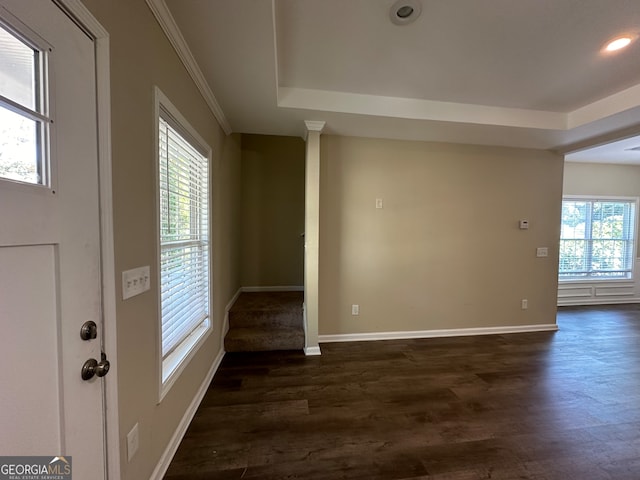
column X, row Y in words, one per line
column 266, row 321
column 264, row 339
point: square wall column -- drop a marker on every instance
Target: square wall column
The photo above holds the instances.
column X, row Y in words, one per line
column 312, row 236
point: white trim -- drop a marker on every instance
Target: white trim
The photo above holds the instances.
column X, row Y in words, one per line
column 608, row 292
column 178, row 435
column 315, row 125
column 284, row 288
column 625, row 290
column 453, row 332
column 174, row 364
column 577, row 302
column 170, row 368
column 312, row 351
column 594, row 281
column 82, row 16
column 605, row 107
column 417, row 109
column 602, row 198
column 304, row 320
column 575, row 292
column 583, row 282
column 225, row 324
column 173, row 33
column 162, row 104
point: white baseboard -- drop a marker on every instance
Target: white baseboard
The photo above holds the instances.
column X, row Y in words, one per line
column 310, row 351
column 454, row 332
column 577, row 302
column 283, row 288
column 174, row 443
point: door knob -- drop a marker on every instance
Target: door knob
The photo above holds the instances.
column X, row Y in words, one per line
column 89, row 330
column 92, row 367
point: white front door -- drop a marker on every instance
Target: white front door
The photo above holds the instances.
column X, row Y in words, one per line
column 50, row 279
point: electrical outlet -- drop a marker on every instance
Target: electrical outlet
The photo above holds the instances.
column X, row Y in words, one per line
column 355, row 309
column 133, row 442
column 524, row 303
column 542, row 252
column 135, row 282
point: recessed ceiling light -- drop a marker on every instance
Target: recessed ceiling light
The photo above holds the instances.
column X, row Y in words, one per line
column 619, row 43
column 404, row 12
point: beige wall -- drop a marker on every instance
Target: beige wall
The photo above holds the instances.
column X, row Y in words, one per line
column 601, row 179
column 445, row 251
column 142, row 57
column 272, row 210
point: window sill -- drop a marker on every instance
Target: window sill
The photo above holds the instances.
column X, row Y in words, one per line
column 175, row 363
column 595, row 280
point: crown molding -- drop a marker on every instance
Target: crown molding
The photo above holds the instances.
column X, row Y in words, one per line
column 314, row 125
column 168, row 24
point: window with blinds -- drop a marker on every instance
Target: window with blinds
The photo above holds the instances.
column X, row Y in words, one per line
column 183, row 203
column 597, row 239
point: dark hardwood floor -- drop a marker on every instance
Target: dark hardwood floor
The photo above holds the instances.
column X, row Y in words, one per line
column 563, row 405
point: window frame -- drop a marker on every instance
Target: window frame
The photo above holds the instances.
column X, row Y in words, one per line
column 171, row 367
column 634, row 243
column 43, row 111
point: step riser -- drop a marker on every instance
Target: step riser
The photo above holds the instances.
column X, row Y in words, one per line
column 264, row 319
column 263, row 343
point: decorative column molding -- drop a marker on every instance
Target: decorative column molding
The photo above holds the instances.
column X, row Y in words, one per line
column 312, row 236
column 314, row 126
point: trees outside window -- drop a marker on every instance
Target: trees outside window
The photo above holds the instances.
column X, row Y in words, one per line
column 597, row 239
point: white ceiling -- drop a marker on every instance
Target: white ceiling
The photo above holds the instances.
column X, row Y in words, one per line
column 620, row 152
column 526, row 73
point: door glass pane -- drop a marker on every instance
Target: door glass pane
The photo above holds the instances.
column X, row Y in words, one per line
column 17, row 70
column 19, row 147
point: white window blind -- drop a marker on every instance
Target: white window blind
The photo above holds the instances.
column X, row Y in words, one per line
column 597, row 239
column 184, row 236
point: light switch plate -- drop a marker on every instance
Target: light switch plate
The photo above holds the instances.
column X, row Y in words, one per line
column 542, row 252
column 135, row 281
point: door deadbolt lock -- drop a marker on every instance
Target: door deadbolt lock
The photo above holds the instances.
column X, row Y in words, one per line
column 89, row 330
column 92, row 367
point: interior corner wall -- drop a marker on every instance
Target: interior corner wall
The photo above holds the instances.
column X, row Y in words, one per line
column 445, row 251
column 604, row 180
column 141, row 57
column 272, row 212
